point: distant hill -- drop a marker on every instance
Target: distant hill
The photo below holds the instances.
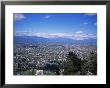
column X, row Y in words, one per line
column 34, row 39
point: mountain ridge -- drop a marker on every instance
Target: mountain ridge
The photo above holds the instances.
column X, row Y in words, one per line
column 34, row 39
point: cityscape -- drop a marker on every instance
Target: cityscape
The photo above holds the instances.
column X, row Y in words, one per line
column 55, row 44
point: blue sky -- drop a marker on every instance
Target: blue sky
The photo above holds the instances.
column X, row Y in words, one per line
column 56, row 24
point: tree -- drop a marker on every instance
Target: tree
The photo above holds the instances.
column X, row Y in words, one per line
column 90, row 65
column 73, row 64
column 93, row 63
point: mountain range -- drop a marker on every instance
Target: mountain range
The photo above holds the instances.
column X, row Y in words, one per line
column 34, row 39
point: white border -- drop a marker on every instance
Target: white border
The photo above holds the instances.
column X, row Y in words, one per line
column 101, row 49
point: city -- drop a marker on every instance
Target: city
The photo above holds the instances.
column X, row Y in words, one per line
column 40, row 57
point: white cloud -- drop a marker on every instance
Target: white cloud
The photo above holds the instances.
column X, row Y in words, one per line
column 95, row 24
column 90, row 14
column 85, row 23
column 18, row 17
column 47, row 17
column 80, row 35
column 79, row 32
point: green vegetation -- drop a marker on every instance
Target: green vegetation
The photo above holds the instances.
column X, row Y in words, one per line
column 29, row 72
column 73, row 65
column 90, row 65
column 76, row 66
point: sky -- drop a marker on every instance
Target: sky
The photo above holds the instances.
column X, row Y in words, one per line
column 70, row 25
